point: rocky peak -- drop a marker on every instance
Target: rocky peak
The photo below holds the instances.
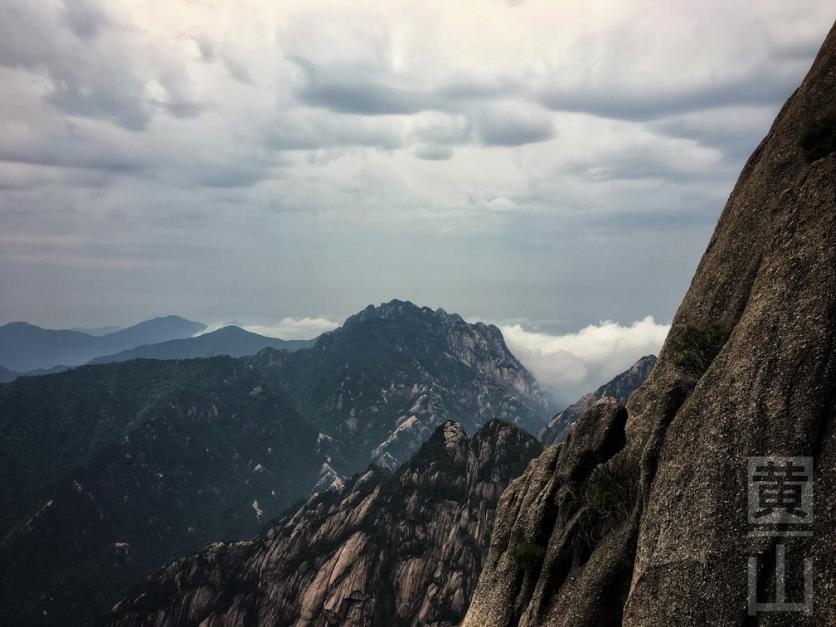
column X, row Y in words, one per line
column 403, row 548
column 401, row 309
column 649, row 525
column 385, row 380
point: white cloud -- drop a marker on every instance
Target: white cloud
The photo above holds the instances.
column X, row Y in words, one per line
column 295, row 328
column 180, row 144
column 576, row 363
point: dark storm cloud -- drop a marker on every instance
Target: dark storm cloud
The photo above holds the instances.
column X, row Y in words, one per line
column 85, row 18
column 433, row 153
column 370, row 91
column 513, row 128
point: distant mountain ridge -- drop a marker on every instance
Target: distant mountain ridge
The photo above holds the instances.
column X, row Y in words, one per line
column 25, row 347
column 112, row 470
column 388, row 549
column 619, row 388
column 231, row 341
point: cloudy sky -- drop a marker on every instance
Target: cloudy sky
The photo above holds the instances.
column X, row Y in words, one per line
column 545, row 165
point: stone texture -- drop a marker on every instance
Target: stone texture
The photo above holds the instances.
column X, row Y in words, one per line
column 768, row 281
column 402, row 549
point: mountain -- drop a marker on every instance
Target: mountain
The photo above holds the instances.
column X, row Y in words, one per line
column 619, row 388
column 96, row 331
column 7, row 375
column 25, row 347
column 111, row 471
column 230, row 340
column 645, row 520
column 383, row 382
column 388, row 549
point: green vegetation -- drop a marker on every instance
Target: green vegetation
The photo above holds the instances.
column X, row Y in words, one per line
column 527, row 555
column 608, row 499
column 695, row 349
column 819, row 140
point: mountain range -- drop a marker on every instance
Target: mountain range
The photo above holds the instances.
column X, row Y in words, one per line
column 231, row 341
column 171, row 337
column 115, row 469
column 638, row 515
column 25, row 347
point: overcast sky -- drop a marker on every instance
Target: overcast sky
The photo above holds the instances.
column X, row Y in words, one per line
column 547, row 164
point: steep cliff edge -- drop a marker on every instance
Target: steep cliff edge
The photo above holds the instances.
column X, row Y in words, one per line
column 648, row 525
column 388, row 549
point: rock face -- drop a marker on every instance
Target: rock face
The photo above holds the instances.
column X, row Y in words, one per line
column 619, row 388
column 402, row 549
column 648, row 525
column 383, row 382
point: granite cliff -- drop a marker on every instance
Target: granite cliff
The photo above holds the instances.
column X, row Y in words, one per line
column 640, row 517
column 388, row 549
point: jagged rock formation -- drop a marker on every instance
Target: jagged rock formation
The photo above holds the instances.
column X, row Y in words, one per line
column 648, row 526
column 402, row 549
column 619, row 388
column 384, row 381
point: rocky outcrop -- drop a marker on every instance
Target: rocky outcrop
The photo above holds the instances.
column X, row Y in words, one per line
column 620, row 388
column 648, row 525
column 402, row 549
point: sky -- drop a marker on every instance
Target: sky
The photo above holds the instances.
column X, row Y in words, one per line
column 549, row 166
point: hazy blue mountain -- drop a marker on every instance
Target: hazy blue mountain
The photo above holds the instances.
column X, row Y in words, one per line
column 111, row 470
column 7, row 375
column 232, row 341
column 25, row 347
column 96, row 331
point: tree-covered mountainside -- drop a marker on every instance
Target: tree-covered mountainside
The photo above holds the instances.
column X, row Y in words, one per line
column 110, row 471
